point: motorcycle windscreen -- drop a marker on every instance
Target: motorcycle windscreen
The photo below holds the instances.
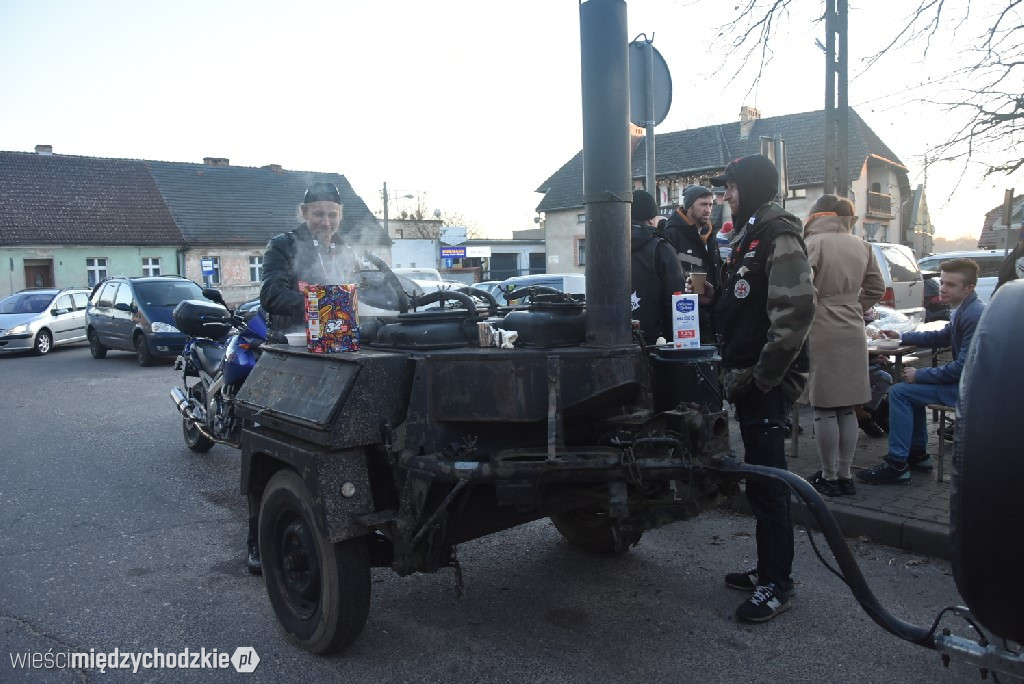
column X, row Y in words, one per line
column 987, row 495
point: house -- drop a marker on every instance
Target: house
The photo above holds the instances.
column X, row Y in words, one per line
column 879, row 184
column 70, row 220
column 994, row 234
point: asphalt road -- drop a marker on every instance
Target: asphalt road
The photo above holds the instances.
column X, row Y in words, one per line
column 114, row 535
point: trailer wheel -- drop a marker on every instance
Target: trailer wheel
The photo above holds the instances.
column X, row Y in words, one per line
column 320, row 591
column 592, row 530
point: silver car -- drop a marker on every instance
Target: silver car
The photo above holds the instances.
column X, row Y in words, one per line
column 41, row 318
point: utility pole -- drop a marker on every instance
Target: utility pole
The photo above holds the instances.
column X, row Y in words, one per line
column 837, row 110
column 385, row 194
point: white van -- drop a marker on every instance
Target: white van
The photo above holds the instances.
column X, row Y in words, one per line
column 904, row 285
column 988, row 260
column 569, row 283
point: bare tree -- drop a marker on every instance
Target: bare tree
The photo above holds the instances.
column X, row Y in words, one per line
column 988, row 110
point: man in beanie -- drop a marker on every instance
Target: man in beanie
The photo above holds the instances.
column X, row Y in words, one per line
column 654, row 271
column 763, row 310
column 691, row 233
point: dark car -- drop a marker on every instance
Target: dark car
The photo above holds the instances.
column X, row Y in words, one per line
column 135, row 314
column 934, row 308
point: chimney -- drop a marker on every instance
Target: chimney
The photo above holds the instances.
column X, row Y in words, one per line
column 276, row 168
column 748, row 115
column 215, row 161
column 44, row 149
column 636, row 134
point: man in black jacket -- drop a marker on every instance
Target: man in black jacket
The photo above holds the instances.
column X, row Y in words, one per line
column 310, row 254
column 654, row 271
column 691, row 233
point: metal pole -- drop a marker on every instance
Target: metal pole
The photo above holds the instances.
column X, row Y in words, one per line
column 607, row 194
column 842, row 133
column 1007, row 217
column 387, row 231
column 830, row 98
column 650, row 182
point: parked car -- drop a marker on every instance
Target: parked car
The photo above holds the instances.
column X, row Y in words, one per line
column 988, row 261
column 569, row 283
column 40, row 319
column 934, row 308
column 135, row 314
column 490, row 286
column 904, row 284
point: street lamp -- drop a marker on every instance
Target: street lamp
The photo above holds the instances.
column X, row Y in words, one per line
column 387, row 228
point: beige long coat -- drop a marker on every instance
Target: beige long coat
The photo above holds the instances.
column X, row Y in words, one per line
column 848, row 282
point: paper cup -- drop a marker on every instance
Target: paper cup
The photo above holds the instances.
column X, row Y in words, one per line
column 697, row 281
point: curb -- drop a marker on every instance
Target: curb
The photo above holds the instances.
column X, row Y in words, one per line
column 915, row 536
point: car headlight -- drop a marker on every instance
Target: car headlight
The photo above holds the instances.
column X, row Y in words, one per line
column 159, row 327
column 18, row 329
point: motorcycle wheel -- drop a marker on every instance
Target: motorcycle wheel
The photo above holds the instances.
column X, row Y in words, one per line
column 319, row 591
column 591, row 530
column 194, row 439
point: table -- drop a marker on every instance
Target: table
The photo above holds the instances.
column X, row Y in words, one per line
column 896, row 354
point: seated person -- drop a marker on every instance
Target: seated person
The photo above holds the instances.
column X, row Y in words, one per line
column 908, row 432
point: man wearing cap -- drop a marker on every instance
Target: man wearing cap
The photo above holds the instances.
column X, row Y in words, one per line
column 654, row 271
column 311, row 253
column 763, row 310
column 691, row 233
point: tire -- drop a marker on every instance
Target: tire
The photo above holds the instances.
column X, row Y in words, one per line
column 590, row 530
column 194, row 439
column 43, row 343
column 142, row 353
column 96, row 347
column 319, row 591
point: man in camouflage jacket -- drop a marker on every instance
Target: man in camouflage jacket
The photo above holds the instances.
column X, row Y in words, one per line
column 764, row 310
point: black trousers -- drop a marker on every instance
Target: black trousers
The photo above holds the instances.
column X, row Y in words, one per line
column 762, row 418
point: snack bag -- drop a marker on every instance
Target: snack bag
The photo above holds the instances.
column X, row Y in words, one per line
column 332, row 318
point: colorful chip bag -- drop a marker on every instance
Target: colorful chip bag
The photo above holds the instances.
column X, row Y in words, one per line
column 332, row 318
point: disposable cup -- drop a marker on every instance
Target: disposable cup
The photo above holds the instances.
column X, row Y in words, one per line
column 697, row 281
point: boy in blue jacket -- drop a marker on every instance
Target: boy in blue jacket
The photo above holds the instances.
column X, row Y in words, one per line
column 908, row 432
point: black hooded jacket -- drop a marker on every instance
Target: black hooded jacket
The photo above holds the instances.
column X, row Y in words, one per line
column 655, row 275
column 696, row 255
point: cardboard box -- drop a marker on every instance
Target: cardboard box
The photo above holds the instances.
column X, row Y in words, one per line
column 685, row 321
column 332, row 318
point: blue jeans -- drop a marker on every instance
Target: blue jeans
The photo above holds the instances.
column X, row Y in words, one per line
column 908, row 427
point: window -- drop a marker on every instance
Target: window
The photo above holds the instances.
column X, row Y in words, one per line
column 581, row 251
column 124, row 295
column 215, row 278
column 64, row 302
column 581, row 218
column 255, row 269
column 96, row 269
column 797, row 193
column 104, row 296
column 902, row 266
column 150, row 266
column 81, row 299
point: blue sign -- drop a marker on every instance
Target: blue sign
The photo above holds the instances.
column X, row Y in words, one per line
column 207, row 265
column 453, row 252
column 448, row 263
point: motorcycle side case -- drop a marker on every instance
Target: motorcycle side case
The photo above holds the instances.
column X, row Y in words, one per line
column 202, row 319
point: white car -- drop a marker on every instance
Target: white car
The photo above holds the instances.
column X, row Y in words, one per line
column 988, row 260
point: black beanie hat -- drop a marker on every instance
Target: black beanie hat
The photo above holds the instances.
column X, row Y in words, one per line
column 322, row 192
column 644, row 206
column 757, row 180
column 694, row 193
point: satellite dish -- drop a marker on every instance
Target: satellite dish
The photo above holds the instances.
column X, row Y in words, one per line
column 437, row 213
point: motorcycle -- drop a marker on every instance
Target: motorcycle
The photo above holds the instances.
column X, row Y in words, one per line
column 220, row 352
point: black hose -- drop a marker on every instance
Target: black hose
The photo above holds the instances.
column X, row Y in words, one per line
column 830, row 529
column 441, row 295
column 492, row 303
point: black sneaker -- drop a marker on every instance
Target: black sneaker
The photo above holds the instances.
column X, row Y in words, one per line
column 742, row 581
column 766, row 602
column 870, row 427
column 846, row 487
column 252, row 560
column 920, row 461
column 889, row 471
column 826, row 487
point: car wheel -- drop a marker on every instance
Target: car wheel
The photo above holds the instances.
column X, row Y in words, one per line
column 592, row 530
column 96, row 348
column 44, row 342
column 142, row 353
column 319, row 591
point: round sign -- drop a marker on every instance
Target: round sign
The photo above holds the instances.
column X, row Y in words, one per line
column 637, row 85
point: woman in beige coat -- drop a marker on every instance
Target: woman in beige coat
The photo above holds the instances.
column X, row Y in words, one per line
column 848, row 282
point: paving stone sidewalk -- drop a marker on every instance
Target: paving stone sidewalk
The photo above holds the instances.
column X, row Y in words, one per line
column 914, row 518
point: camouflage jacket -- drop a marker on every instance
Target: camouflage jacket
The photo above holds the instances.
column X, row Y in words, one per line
column 766, row 303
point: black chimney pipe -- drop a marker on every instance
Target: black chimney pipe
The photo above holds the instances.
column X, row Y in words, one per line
column 607, row 191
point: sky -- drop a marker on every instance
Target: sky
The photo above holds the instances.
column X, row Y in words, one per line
column 466, row 105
